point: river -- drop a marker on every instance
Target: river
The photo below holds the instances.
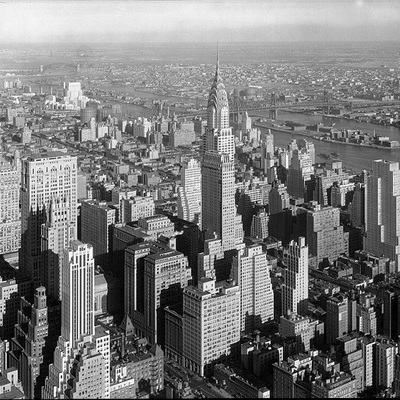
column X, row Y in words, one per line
column 355, row 158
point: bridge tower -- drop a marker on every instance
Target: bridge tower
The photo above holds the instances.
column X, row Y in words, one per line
column 327, row 98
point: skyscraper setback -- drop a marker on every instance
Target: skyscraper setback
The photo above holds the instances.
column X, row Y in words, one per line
column 383, row 210
column 189, row 194
column 47, row 179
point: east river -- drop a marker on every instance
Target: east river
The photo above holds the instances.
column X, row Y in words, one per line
column 355, row 158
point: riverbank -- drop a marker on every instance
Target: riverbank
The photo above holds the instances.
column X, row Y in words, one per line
column 309, row 134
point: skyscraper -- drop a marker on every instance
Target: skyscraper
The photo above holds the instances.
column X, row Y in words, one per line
column 295, row 287
column 97, row 218
column 189, row 193
column 300, row 171
column 82, row 357
column 325, row 236
column 211, row 323
column 252, row 273
column 10, row 215
column 337, row 315
column 47, row 178
column 155, row 276
column 278, row 199
column 27, row 347
column 218, row 198
column 218, row 135
column 383, row 210
column 77, row 316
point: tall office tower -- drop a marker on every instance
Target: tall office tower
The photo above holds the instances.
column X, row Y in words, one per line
column 82, row 357
column 10, row 214
column 337, row 315
column 268, row 141
column 77, row 317
column 366, row 315
column 27, row 351
column 295, row 286
column 57, row 232
column 211, row 324
column 267, row 154
column 218, row 199
column 367, row 344
column 246, row 122
column 385, row 361
column 308, row 147
column 74, row 97
column 154, row 278
column 47, row 178
column 259, row 225
column 189, row 194
column 357, row 206
column 341, row 192
column 325, row 179
column 97, row 218
column 251, row 270
column 278, row 199
column 382, row 220
column 325, row 236
column 299, row 173
column 218, row 136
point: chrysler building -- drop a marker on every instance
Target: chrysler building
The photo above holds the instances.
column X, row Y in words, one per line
column 218, row 135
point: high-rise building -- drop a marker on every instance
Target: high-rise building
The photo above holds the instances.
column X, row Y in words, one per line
column 278, row 199
column 295, row 286
column 325, row 236
column 218, row 199
column 97, row 218
column 10, row 214
column 77, row 317
column 155, row 276
column 383, row 211
column 27, row 346
column 218, row 136
column 57, row 232
column 74, row 98
column 300, row 171
column 81, row 367
column 251, row 271
column 337, row 315
column 357, row 206
column 136, row 207
column 259, row 225
column 211, row 323
column 47, row 178
column 189, row 193
column 385, row 361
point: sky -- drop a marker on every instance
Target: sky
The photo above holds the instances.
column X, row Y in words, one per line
column 105, row 21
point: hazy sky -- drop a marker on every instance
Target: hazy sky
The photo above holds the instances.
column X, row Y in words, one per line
column 185, row 20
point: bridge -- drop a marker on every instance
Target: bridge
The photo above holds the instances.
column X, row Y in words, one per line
column 273, row 108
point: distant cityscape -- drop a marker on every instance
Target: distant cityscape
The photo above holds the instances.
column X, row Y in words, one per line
column 177, row 230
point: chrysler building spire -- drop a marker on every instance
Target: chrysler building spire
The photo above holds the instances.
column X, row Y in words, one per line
column 217, row 107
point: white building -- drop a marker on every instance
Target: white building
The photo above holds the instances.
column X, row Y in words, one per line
column 47, row 178
column 81, row 367
column 295, row 286
column 211, row 323
column 74, row 98
column 218, row 136
column 252, row 273
column 189, row 194
column 10, row 214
